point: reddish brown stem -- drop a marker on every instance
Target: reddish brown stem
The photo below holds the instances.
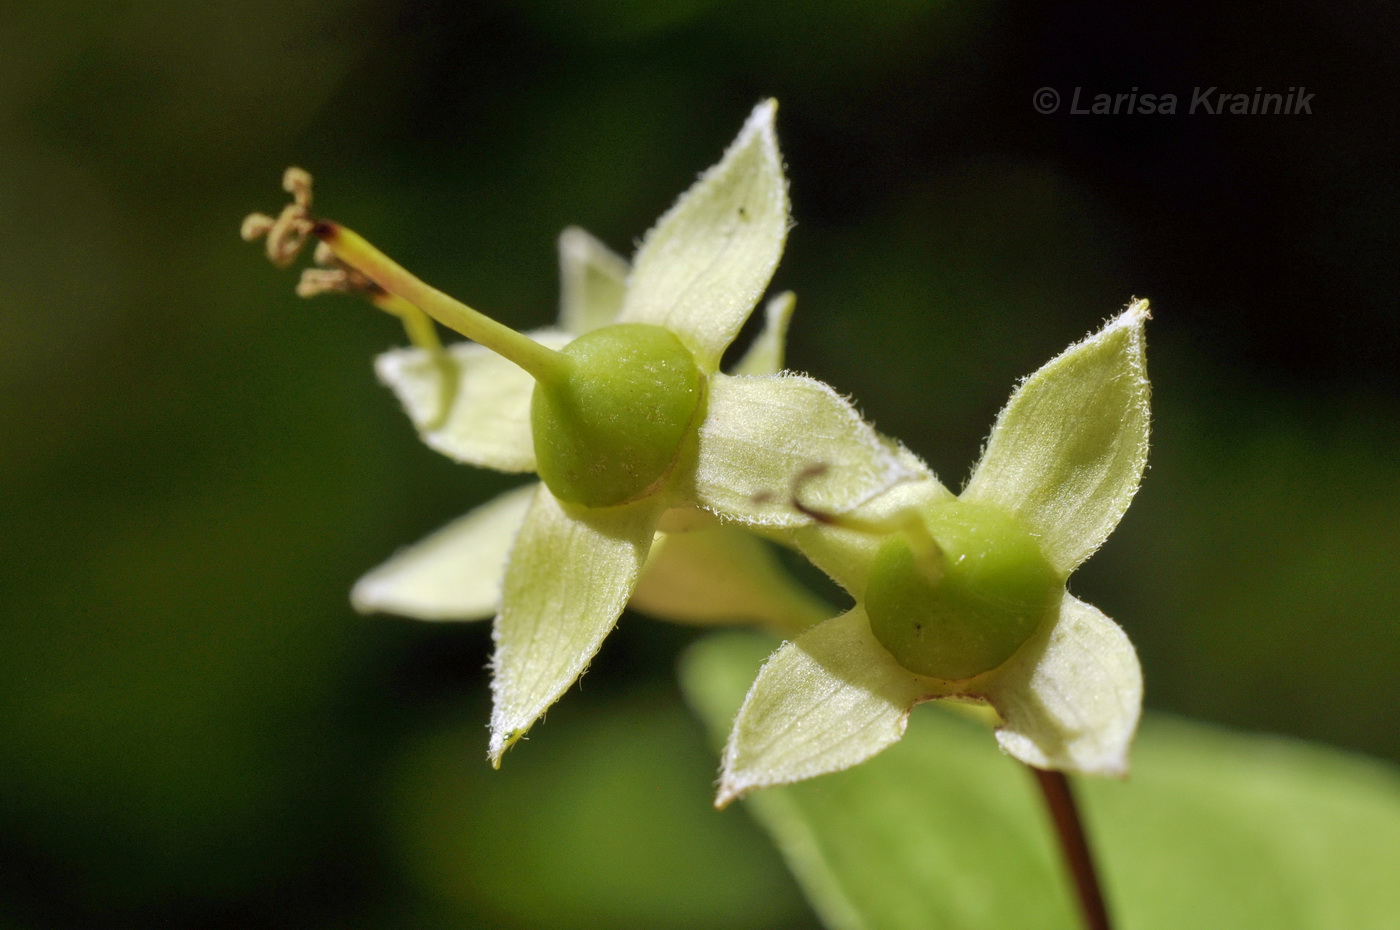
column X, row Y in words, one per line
column 1074, row 844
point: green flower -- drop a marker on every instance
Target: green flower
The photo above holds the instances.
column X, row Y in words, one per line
column 964, row 597
column 700, row 573
column 622, row 411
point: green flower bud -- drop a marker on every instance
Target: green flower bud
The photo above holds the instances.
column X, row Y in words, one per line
column 612, row 427
column 995, row 589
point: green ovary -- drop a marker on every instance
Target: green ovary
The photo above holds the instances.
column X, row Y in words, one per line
column 995, row 591
column 611, row 429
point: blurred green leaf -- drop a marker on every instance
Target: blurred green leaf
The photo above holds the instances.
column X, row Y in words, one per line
column 1213, row 829
column 605, row 824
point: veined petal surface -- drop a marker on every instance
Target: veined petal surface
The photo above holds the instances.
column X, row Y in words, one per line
column 454, row 574
column 766, row 355
column 830, row 699
column 723, row 574
column 703, row 267
column 488, row 423
column 570, row 573
column 845, row 555
column 593, row 279
column 1071, row 697
column 1067, row 452
column 765, row 438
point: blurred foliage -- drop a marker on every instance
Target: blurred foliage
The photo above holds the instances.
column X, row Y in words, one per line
column 1212, row 828
column 609, row 825
column 198, row 732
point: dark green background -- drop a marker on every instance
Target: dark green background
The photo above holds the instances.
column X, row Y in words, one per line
column 198, row 732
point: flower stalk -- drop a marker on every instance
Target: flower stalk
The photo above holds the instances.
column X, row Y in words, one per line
column 998, row 626
column 1074, row 846
column 621, row 411
column 654, row 463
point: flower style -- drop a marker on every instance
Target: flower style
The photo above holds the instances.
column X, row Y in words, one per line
column 964, row 597
column 701, row 572
column 622, row 412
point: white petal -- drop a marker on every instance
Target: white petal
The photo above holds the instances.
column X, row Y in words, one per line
column 592, row 281
column 488, row 420
column 827, row 701
column 1068, row 450
column 764, row 437
column 570, row 574
column 1072, row 695
column 703, row 267
column 845, row 555
column 454, row 574
column 765, row 356
column 723, row 575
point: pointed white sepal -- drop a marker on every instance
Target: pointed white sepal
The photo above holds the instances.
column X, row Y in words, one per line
column 1071, row 697
column 765, row 438
column 829, row 700
column 488, row 423
column 454, row 574
column 703, row 267
column 570, row 573
column 723, row 574
column 1067, row 452
column 845, row 555
column 593, row 280
column 767, row 354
